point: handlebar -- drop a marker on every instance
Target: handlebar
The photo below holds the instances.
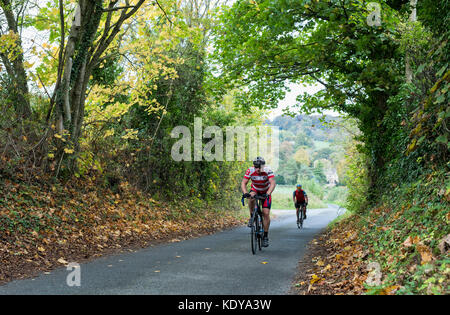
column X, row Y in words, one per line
column 254, row 197
column 259, row 197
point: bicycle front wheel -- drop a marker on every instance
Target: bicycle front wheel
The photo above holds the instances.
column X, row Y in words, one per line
column 254, row 236
column 260, row 231
column 300, row 219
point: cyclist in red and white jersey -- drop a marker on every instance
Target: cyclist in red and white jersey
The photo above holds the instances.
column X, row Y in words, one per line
column 263, row 183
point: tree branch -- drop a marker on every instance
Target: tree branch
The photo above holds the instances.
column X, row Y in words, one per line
column 163, row 11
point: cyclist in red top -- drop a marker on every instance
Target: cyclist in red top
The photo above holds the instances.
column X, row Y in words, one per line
column 263, row 183
column 300, row 200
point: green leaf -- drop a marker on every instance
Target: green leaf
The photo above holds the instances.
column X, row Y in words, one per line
column 421, row 67
column 440, row 98
column 442, row 139
column 441, row 71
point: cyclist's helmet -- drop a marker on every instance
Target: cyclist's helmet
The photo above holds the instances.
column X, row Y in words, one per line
column 299, row 186
column 258, row 162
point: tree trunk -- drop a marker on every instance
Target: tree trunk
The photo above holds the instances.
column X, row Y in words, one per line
column 412, row 18
column 14, row 67
column 82, row 55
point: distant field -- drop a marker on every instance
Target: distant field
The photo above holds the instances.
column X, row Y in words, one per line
column 321, row 144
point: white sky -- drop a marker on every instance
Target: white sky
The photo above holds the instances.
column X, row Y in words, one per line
column 290, row 99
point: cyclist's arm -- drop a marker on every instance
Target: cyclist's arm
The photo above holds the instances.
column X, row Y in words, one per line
column 272, row 185
column 244, row 185
column 293, row 197
column 245, row 180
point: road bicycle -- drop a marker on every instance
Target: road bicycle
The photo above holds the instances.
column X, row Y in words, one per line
column 257, row 228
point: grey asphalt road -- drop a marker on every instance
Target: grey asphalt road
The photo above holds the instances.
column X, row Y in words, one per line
column 219, row 264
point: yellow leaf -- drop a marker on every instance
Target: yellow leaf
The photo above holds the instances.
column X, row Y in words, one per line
column 391, row 289
column 62, row 261
column 314, row 279
column 41, row 249
column 68, row 151
column 264, row 262
column 320, row 263
column 425, row 253
column 28, row 65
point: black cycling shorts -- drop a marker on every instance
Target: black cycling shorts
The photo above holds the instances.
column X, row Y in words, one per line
column 267, row 203
column 299, row 204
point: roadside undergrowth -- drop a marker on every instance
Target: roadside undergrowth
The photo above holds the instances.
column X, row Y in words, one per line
column 44, row 226
column 399, row 247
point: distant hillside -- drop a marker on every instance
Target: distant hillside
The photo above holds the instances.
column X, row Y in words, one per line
column 312, row 152
column 317, row 127
column 311, row 147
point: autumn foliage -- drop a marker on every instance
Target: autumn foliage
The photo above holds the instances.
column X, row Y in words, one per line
column 45, row 225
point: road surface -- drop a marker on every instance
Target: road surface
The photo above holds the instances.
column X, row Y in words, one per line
column 211, row 265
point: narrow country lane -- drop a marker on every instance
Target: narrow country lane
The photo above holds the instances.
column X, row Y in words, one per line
column 216, row 264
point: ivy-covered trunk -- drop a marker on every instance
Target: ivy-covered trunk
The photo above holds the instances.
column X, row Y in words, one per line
column 70, row 100
column 83, row 53
column 12, row 58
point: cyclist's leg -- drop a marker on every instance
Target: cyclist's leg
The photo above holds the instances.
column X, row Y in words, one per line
column 266, row 205
column 266, row 219
column 251, row 206
column 266, row 225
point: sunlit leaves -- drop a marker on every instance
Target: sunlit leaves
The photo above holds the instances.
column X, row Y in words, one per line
column 10, row 45
column 302, row 41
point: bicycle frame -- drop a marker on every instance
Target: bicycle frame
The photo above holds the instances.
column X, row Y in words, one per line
column 257, row 228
